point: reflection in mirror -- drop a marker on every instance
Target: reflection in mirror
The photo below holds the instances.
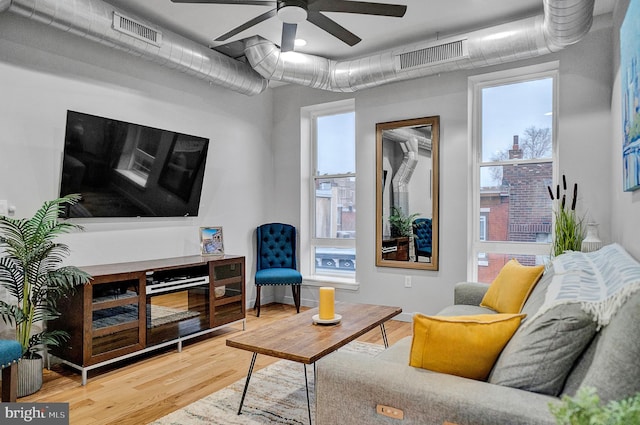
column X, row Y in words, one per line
column 407, row 193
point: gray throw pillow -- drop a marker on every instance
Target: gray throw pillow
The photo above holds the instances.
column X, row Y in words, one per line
column 537, row 296
column 541, row 354
column 610, row 364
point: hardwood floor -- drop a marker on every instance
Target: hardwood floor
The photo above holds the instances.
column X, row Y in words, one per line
column 147, row 387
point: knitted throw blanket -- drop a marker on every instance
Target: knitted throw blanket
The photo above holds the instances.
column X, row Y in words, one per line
column 601, row 281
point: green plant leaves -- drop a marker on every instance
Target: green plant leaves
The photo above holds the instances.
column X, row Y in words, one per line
column 401, row 223
column 586, row 409
column 31, row 272
column 569, row 228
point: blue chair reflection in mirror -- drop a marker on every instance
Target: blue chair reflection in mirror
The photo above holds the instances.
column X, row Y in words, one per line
column 276, row 260
column 422, row 237
column 10, row 353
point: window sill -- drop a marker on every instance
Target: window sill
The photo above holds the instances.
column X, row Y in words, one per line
column 336, row 282
column 133, row 177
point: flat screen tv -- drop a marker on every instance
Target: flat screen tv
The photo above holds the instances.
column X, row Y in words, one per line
column 123, row 169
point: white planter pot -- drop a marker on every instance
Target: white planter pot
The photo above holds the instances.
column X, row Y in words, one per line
column 29, row 375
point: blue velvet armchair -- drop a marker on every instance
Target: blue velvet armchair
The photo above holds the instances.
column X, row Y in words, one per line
column 10, row 353
column 276, row 260
column 422, row 237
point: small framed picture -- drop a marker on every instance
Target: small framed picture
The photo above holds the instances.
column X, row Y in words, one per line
column 211, row 241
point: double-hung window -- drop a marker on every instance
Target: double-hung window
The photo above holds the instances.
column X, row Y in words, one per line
column 513, row 149
column 329, row 220
column 139, row 153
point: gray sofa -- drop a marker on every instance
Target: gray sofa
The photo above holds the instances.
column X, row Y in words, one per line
column 350, row 386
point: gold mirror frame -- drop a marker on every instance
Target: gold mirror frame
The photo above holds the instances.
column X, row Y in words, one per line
column 407, row 160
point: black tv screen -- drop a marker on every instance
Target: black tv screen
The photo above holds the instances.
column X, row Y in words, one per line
column 123, row 169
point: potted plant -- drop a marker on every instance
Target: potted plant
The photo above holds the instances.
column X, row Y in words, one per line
column 569, row 227
column 31, row 272
column 400, row 223
column 586, row 409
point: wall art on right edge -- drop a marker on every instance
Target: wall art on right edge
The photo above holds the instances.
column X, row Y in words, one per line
column 630, row 85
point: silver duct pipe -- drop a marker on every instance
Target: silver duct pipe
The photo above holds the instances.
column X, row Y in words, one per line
column 93, row 19
column 564, row 22
column 400, row 181
column 405, row 133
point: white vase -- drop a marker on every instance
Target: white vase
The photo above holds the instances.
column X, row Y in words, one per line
column 591, row 241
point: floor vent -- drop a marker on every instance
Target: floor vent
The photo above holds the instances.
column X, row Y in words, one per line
column 136, row 29
column 433, row 55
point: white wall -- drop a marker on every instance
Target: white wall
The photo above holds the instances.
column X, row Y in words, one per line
column 44, row 72
column 625, row 206
column 584, row 128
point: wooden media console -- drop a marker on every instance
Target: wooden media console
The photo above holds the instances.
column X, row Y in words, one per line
column 132, row 308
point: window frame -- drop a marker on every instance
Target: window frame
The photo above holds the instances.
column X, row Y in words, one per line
column 132, row 158
column 476, row 84
column 308, row 241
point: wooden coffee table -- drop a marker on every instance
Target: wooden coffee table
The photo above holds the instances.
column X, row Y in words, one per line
column 296, row 338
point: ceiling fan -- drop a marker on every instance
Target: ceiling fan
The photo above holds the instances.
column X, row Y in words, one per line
column 292, row 12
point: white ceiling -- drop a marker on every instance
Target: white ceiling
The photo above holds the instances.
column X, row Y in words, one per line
column 424, row 20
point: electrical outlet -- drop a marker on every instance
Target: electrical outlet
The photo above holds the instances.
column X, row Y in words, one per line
column 390, row 412
column 407, row 281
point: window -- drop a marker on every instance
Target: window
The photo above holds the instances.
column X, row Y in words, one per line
column 328, row 225
column 139, row 153
column 513, row 149
column 144, row 153
column 482, row 256
column 483, row 226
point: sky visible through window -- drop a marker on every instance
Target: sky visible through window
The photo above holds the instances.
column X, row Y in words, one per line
column 508, row 110
column 336, row 150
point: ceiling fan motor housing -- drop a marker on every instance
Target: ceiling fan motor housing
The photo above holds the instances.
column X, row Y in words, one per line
column 292, row 11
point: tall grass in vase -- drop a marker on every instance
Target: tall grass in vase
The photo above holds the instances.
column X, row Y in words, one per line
column 569, row 229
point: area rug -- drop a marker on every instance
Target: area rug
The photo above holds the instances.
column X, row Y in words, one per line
column 160, row 315
column 157, row 315
column 276, row 395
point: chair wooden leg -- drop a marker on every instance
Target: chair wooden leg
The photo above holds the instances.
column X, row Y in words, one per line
column 295, row 289
column 257, row 303
column 10, row 383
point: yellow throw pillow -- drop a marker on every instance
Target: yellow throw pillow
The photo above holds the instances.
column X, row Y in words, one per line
column 511, row 288
column 465, row 346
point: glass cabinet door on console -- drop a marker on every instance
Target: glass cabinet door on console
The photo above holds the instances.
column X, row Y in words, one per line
column 116, row 317
column 177, row 303
column 228, row 283
column 103, row 320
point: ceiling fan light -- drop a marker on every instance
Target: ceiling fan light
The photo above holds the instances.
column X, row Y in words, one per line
column 292, row 14
column 300, row 42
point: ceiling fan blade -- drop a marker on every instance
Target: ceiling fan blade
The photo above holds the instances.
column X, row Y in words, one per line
column 360, row 7
column 333, row 28
column 288, row 37
column 251, row 2
column 247, row 25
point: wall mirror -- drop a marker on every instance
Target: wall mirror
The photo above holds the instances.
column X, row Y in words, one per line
column 407, row 193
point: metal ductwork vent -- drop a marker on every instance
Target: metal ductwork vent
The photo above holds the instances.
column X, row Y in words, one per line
column 563, row 23
column 100, row 22
column 433, row 55
column 136, row 29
